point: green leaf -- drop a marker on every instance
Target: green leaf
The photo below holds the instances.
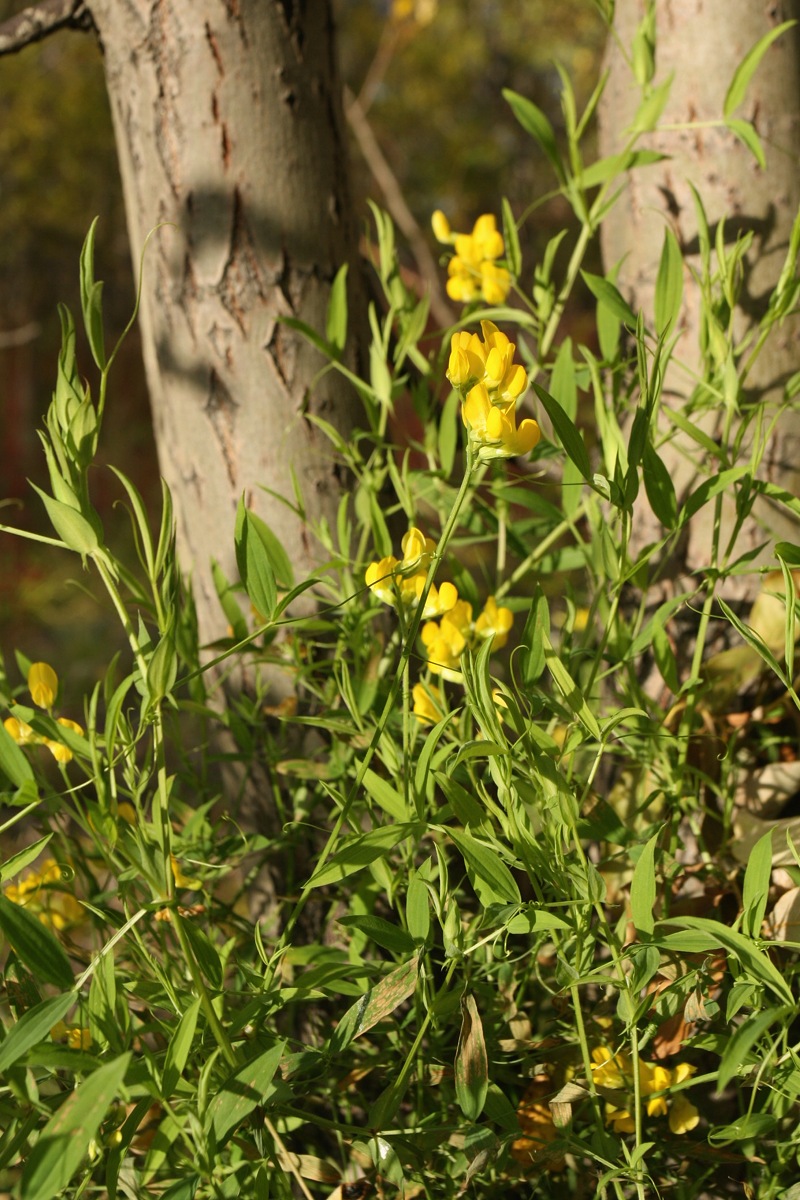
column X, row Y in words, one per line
column 743, row 1039
column 385, row 795
column 488, row 874
column 162, row 669
column 358, row 852
column 253, row 561
column 746, row 134
column 709, row 489
column 19, row 861
column 33, row 1027
column 13, row 762
column 563, row 381
column 534, row 122
column 376, row 1004
column 748, row 66
column 669, row 284
column 75, row 531
column 511, row 240
column 570, row 690
column 649, row 111
column 755, row 889
column 64, row 1141
column 537, row 627
column 178, row 1049
column 610, row 297
column 245, row 1088
column 418, row 909
column 336, row 319
column 204, row 951
column 616, row 164
column 643, row 887
column 383, row 933
column 471, row 1064
column 659, row 487
column 92, row 299
column 753, row 960
column 35, row 945
column 567, row 432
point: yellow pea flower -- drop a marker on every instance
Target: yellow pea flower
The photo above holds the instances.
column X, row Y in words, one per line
column 427, row 703
column 59, row 751
column 683, row 1116
column 181, row 880
column 472, row 272
column 494, row 622
column 20, row 731
column 42, row 684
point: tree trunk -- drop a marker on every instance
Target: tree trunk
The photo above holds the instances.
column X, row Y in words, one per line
column 228, row 125
column 702, row 42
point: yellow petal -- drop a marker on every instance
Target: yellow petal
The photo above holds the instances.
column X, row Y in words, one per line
column 42, row 684
column 441, row 227
column 683, row 1116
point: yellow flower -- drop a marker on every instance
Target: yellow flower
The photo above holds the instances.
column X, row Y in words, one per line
column 620, row 1119
column 391, row 579
column 655, row 1078
column 472, row 272
column 611, row 1070
column 427, row 703
column 20, row 731
column 379, row 577
column 181, row 880
column 446, row 642
column 59, row 751
column 495, row 623
column 490, row 383
column 51, row 904
column 76, row 1036
column 42, row 684
column 683, row 1116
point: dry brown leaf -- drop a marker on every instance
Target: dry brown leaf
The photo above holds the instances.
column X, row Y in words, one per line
column 765, row 792
column 783, row 923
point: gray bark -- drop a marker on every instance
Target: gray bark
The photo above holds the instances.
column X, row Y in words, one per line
column 702, row 42
column 228, row 125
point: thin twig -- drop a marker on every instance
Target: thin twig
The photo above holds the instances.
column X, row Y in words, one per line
column 395, row 201
column 40, row 20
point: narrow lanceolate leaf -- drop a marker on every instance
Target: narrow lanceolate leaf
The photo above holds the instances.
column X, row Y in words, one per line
column 756, row 885
column 758, row 966
column 488, row 874
column 534, row 122
column 242, row 1091
column 376, row 1004
column 178, row 1049
column 643, row 888
column 471, row 1064
column 567, row 432
column 358, row 852
column 253, row 561
column 669, row 284
column 35, row 945
column 748, row 66
column 610, row 297
column 33, row 1027
column 336, row 318
column 64, row 1141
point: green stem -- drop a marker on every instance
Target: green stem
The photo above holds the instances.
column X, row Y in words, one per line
column 214, row 1023
column 388, row 708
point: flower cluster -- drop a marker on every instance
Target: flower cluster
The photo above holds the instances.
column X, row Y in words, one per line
column 615, row 1071
column 472, row 272
column 449, row 627
column 402, row 581
column 38, row 891
column 490, row 383
column 446, row 640
column 43, row 687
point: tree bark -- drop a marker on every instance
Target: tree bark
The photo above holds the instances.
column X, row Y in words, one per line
column 228, row 124
column 702, row 42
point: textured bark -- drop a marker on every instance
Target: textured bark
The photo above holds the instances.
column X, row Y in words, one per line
column 228, row 125
column 702, row 42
